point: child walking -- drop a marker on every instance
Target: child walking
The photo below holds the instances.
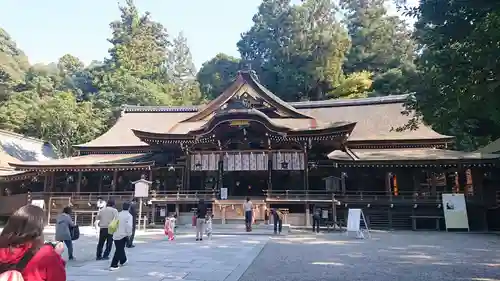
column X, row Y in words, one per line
column 208, row 228
column 170, row 227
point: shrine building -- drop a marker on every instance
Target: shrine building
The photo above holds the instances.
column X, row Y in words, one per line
column 332, row 154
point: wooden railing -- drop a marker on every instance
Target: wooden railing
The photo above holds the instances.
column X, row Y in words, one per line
column 91, row 196
column 183, row 195
column 365, row 196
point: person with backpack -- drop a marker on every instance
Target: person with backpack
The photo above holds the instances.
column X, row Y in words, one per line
column 105, row 217
column 121, row 234
column 23, row 254
column 64, row 224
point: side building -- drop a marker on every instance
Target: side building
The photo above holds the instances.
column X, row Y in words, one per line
column 15, row 185
column 334, row 155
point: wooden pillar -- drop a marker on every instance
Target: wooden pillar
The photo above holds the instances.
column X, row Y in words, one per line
column 153, row 213
column 52, row 179
column 416, row 181
column 79, row 182
column 308, row 215
column 45, row 183
column 433, row 184
column 187, row 170
column 388, row 177
column 269, row 171
column 115, row 181
column 306, row 170
column 334, row 208
column 100, row 182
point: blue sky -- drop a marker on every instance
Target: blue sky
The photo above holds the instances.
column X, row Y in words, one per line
column 46, row 30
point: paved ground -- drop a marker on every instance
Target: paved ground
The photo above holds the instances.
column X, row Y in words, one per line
column 85, row 247
column 223, row 258
column 426, row 256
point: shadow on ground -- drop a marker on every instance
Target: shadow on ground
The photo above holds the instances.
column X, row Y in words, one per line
column 387, row 256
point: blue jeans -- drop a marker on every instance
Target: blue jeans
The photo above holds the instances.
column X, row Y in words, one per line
column 69, row 246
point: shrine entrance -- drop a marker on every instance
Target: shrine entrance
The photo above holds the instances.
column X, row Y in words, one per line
column 241, row 184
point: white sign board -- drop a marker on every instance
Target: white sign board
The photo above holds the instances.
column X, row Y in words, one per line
column 223, row 193
column 324, row 214
column 455, row 211
column 141, row 188
column 38, row 203
column 163, row 212
column 354, row 220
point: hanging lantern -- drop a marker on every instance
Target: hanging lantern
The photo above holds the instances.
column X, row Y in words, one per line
column 395, row 185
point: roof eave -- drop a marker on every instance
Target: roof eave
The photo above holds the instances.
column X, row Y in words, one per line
column 87, row 167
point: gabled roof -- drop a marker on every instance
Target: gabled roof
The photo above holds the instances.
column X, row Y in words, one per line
column 246, row 78
column 376, row 120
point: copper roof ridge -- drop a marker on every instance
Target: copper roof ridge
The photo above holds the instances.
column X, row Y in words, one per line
column 296, row 105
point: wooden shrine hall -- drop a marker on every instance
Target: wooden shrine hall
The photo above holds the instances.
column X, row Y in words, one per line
column 295, row 156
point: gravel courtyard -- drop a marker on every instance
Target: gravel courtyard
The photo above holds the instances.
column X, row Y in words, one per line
column 425, row 256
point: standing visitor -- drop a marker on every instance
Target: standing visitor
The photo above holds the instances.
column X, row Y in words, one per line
column 101, row 204
column 201, row 214
column 64, row 223
column 248, row 208
column 23, row 254
column 316, row 219
column 105, row 217
column 133, row 212
column 120, row 236
column 277, row 220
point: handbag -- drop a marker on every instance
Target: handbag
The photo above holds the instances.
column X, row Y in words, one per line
column 75, row 232
column 113, row 226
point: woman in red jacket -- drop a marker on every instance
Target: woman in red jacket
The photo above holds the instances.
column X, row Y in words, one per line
column 22, row 248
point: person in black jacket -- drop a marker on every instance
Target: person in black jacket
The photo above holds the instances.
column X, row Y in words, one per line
column 133, row 211
column 201, row 214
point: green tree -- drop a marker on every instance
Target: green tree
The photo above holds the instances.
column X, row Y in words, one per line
column 395, row 81
column 355, row 85
column 458, row 87
column 181, row 73
column 379, row 42
column 217, row 74
column 13, row 61
column 69, row 65
column 15, row 110
column 296, row 50
column 140, row 45
column 63, row 121
column 135, row 73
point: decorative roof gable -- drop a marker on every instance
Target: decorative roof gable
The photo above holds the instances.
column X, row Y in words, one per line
column 247, row 92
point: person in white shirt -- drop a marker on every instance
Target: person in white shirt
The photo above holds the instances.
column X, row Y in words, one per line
column 121, row 235
column 104, row 218
column 248, row 208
